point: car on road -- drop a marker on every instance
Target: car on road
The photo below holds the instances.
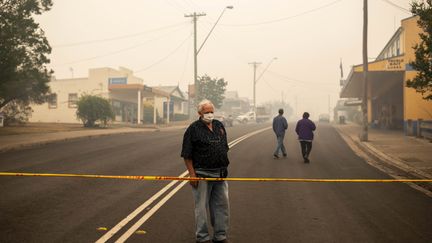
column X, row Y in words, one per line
column 324, row 118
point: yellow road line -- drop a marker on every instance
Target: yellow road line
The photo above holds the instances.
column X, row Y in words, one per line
column 174, row 178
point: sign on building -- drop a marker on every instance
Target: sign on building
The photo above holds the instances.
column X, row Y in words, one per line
column 122, row 80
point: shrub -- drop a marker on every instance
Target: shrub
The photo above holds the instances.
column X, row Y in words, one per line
column 94, row 108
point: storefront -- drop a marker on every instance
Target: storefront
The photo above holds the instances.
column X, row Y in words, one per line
column 391, row 104
column 127, row 101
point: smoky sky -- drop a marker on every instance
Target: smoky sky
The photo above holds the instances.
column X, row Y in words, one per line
column 155, row 40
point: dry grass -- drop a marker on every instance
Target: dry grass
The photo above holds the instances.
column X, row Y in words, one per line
column 31, row 128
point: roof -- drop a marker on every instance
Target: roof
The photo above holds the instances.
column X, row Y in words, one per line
column 172, row 90
column 168, row 89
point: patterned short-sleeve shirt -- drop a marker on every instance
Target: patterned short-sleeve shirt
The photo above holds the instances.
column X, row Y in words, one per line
column 207, row 149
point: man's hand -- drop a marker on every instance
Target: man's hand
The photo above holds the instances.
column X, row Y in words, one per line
column 191, row 170
column 194, row 184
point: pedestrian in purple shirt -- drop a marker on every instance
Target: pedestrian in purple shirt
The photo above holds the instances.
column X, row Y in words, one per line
column 304, row 130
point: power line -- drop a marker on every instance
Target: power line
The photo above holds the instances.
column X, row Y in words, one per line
column 397, row 6
column 118, row 51
column 164, row 58
column 175, row 5
column 271, row 87
column 281, row 76
column 285, row 18
column 193, row 5
column 186, row 62
column 118, row 37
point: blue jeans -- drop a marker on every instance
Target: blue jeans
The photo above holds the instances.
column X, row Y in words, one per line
column 280, row 145
column 214, row 196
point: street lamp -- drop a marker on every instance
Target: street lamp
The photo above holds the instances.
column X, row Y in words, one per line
column 196, row 51
column 265, row 69
column 217, row 21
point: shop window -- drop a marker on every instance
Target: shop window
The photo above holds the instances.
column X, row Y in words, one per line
column 52, row 101
column 72, row 101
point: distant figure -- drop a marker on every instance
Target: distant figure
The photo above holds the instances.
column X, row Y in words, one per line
column 304, row 130
column 280, row 124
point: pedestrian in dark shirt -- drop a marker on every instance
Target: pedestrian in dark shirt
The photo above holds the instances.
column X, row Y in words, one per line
column 304, row 130
column 280, row 124
column 205, row 152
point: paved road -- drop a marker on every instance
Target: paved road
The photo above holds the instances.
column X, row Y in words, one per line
column 70, row 210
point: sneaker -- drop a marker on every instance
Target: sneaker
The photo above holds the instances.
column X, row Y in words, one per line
column 284, row 155
column 306, row 160
column 275, row 156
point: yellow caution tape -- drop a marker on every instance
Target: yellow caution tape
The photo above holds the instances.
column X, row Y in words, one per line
column 175, row 178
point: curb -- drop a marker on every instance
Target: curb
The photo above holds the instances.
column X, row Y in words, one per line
column 27, row 145
column 41, row 143
column 390, row 165
column 385, row 158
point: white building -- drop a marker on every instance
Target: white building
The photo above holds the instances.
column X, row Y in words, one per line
column 179, row 102
column 125, row 91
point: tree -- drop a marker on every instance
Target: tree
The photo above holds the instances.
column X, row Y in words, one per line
column 422, row 82
column 93, row 108
column 212, row 89
column 23, row 54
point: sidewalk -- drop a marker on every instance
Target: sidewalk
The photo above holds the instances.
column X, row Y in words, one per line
column 395, row 150
column 18, row 141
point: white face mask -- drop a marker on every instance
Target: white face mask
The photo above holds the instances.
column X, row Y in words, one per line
column 208, row 118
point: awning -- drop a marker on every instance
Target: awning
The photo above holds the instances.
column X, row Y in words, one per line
column 132, row 89
column 379, row 83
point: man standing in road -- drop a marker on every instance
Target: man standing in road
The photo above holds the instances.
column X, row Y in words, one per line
column 304, row 130
column 280, row 124
column 205, row 152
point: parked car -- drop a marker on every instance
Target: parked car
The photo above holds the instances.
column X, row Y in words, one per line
column 245, row 118
column 262, row 114
column 227, row 121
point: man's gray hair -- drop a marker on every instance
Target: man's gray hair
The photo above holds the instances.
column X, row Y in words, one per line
column 203, row 103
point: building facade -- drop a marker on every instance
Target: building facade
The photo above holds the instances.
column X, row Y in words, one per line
column 391, row 104
column 125, row 91
column 179, row 106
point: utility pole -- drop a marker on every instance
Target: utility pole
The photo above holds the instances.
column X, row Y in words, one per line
column 194, row 19
column 255, row 79
column 364, row 133
column 197, row 50
column 255, row 65
column 282, row 98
